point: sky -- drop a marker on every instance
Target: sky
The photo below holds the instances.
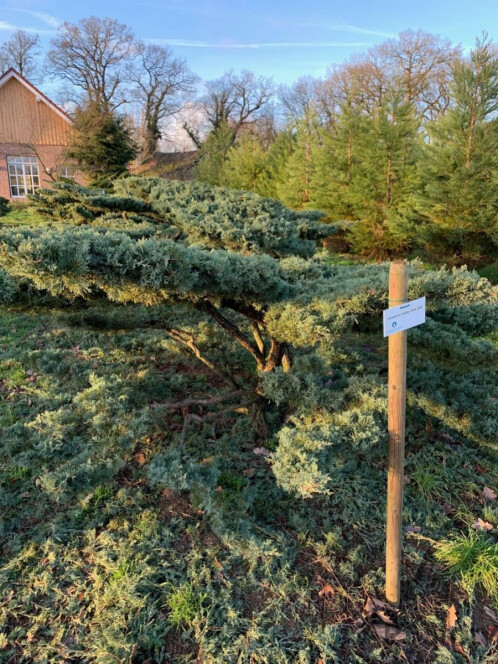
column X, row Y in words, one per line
column 284, row 39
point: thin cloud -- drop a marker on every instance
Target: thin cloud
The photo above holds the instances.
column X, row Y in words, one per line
column 9, row 27
column 48, row 19
column 341, row 27
column 232, row 45
column 346, row 27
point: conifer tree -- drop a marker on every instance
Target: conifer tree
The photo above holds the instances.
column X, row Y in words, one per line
column 223, row 260
column 296, row 184
column 246, row 166
column 460, row 197
column 337, row 161
column 102, row 144
column 366, row 173
column 213, row 154
column 241, row 268
column 279, row 153
column 386, row 180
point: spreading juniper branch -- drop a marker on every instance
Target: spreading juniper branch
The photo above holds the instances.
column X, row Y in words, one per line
column 192, row 417
column 186, row 339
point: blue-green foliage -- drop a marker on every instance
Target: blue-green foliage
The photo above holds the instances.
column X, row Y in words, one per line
column 8, row 287
column 128, row 536
column 227, row 219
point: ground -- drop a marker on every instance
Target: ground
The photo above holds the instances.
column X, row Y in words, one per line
column 120, row 546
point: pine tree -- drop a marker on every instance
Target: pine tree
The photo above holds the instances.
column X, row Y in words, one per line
column 385, row 181
column 102, row 144
column 246, row 166
column 460, row 197
column 296, row 185
column 279, row 153
column 213, row 154
column 366, row 174
column 337, row 162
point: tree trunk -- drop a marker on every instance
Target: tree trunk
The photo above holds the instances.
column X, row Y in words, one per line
column 258, row 419
column 350, row 155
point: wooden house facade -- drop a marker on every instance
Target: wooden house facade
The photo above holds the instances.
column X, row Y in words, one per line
column 34, row 133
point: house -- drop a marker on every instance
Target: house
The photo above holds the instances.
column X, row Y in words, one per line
column 34, row 133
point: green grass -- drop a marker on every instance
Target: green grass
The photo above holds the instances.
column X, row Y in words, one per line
column 184, row 605
column 473, row 559
column 21, row 215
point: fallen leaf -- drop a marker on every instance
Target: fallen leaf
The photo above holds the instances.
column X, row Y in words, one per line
column 451, row 617
column 481, row 639
column 262, row 451
column 412, row 529
column 327, row 591
column 488, row 493
column 248, row 472
column 482, row 525
column 140, row 458
column 447, row 509
column 389, row 633
column 479, row 469
column 384, row 617
column 493, row 632
column 447, row 438
column 458, row 648
column 372, row 605
column 490, row 613
column 219, row 489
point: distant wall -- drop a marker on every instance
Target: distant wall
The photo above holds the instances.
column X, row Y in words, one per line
column 48, row 157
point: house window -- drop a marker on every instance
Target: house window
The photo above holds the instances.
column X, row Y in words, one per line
column 24, row 177
column 67, row 172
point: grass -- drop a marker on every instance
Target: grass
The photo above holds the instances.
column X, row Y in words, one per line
column 473, row 559
column 21, row 214
column 184, row 604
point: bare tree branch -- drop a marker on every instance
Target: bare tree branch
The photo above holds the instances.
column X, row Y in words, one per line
column 94, row 57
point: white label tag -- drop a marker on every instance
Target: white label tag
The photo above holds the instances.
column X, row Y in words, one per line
column 404, row 316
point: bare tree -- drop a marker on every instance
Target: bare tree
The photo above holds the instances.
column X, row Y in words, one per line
column 361, row 84
column 421, row 63
column 21, row 52
column 233, row 100
column 162, row 85
column 298, row 98
column 94, row 57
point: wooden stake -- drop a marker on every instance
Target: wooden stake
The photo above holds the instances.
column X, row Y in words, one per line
column 398, row 281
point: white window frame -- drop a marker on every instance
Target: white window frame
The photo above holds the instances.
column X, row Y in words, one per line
column 66, row 171
column 24, row 175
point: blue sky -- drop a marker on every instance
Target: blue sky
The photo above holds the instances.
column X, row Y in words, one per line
column 284, row 39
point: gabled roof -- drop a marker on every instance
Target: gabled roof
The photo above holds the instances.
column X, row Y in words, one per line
column 12, row 73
